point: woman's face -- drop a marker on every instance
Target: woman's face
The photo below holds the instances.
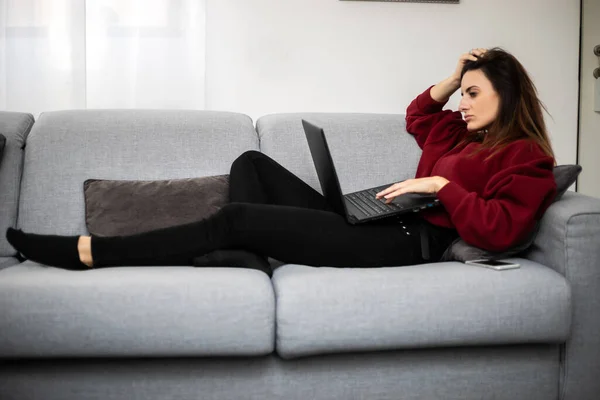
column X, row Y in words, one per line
column 480, row 102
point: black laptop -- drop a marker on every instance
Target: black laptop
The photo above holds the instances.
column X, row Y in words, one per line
column 361, row 206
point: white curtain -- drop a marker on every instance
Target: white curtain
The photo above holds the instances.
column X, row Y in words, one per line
column 74, row 54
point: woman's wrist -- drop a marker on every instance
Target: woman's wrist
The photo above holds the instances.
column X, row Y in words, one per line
column 443, row 90
column 455, row 82
column 440, row 183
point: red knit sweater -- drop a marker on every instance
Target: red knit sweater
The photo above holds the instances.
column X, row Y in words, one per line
column 493, row 204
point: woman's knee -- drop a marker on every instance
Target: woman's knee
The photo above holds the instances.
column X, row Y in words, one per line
column 250, row 155
column 245, row 214
column 234, row 211
column 244, row 159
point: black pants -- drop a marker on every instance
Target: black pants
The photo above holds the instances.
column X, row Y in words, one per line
column 274, row 213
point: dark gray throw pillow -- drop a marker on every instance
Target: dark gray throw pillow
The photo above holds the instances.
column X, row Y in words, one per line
column 459, row 250
column 122, row 207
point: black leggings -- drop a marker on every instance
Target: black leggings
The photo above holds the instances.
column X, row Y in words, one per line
column 275, row 214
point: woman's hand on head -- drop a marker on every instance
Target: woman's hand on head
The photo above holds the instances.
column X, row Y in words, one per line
column 462, row 60
column 431, row 184
column 443, row 90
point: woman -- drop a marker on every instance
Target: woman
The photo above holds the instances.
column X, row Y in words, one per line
column 491, row 170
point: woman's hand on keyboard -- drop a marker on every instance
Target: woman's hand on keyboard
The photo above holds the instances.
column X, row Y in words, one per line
column 431, row 184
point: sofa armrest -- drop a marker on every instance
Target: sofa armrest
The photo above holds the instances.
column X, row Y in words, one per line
column 569, row 243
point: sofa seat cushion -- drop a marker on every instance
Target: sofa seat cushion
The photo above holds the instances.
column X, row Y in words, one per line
column 327, row 310
column 8, row 262
column 135, row 311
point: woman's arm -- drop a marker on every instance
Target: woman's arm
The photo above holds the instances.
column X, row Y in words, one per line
column 424, row 116
column 428, row 123
column 443, row 90
column 446, row 88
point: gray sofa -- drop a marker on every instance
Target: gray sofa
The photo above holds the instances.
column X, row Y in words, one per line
column 433, row 331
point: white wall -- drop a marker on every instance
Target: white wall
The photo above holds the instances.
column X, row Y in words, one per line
column 268, row 56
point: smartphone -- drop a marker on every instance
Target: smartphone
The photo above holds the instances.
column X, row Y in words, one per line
column 494, row 264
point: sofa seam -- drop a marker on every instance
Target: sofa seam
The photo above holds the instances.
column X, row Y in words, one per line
column 274, row 316
column 301, row 116
column 258, row 133
column 258, row 138
column 19, row 183
column 19, row 178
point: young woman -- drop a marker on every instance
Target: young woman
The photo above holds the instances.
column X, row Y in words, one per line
column 490, row 164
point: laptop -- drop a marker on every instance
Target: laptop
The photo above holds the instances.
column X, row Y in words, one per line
column 361, row 206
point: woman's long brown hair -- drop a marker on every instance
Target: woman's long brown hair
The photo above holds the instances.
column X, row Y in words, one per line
column 520, row 111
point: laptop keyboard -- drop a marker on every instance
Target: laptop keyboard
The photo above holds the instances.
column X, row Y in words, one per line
column 366, row 202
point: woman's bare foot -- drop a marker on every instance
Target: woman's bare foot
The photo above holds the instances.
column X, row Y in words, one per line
column 84, row 247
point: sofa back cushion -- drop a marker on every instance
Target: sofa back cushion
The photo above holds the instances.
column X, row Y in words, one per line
column 15, row 127
column 67, row 147
column 367, row 149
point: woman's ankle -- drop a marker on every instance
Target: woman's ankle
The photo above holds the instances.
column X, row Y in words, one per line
column 84, row 247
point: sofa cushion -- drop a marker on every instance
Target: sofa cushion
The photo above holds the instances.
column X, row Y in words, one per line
column 121, row 207
column 8, row 262
column 327, row 310
column 367, row 149
column 67, row 147
column 135, row 311
column 15, row 127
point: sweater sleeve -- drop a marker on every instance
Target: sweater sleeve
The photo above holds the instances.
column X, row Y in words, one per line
column 513, row 199
column 428, row 123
